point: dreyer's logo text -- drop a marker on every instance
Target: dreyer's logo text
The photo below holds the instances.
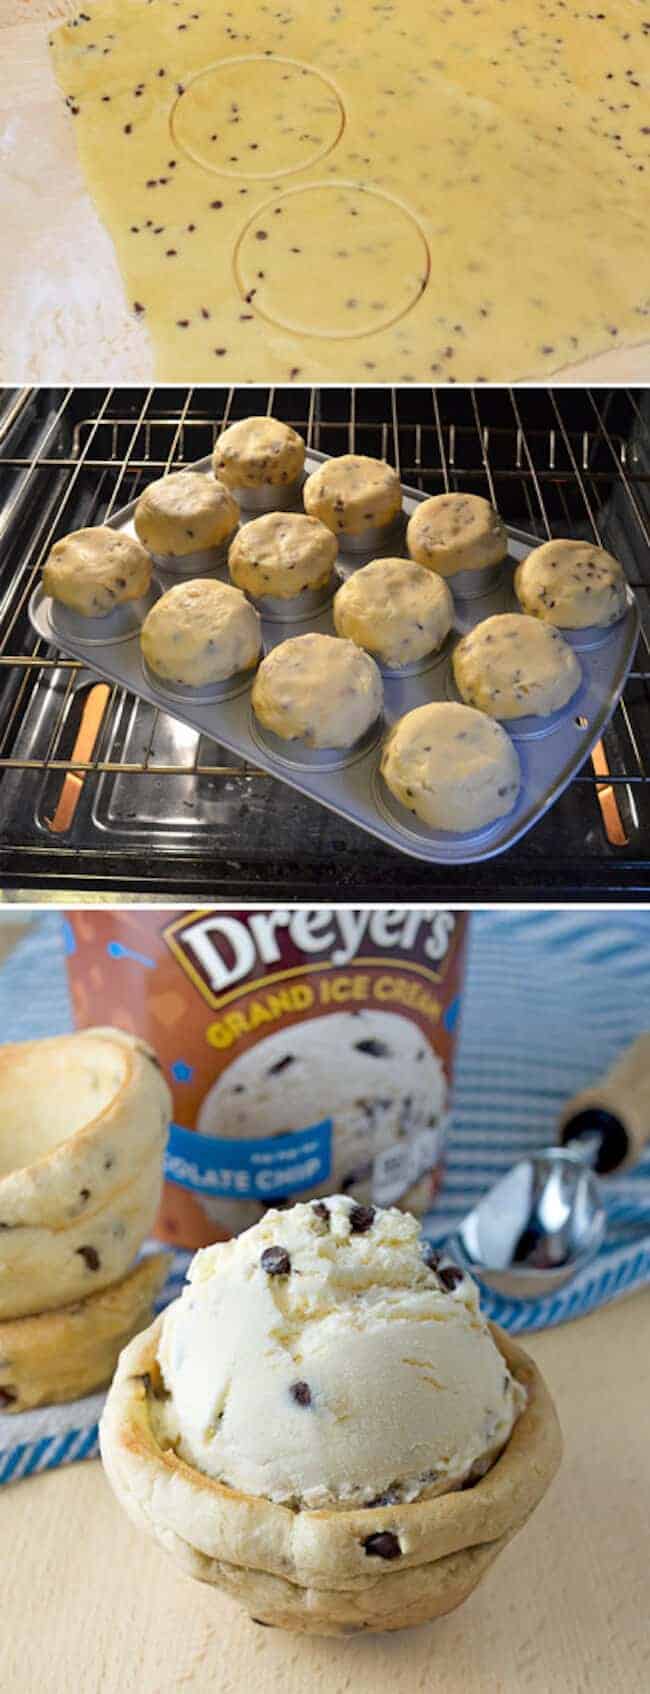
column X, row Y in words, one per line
column 218, row 950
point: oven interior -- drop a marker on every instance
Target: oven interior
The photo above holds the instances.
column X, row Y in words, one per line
column 102, row 794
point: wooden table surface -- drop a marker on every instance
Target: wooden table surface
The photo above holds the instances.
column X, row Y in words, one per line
column 63, row 315
column 89, row 1606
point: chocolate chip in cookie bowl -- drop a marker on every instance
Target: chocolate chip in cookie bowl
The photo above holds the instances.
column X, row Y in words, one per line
column 83, row 1126
column 382, row 1546
column 298, row 1430
column 262, row 461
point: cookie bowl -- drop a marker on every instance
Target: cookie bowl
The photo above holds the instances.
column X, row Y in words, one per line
column 58, row 1356
column 323, row 1572
column 83, row 1125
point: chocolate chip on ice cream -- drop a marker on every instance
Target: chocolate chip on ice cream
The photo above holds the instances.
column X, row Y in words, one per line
column 275, row 1261
column 301, row 1393
column 361, row 1219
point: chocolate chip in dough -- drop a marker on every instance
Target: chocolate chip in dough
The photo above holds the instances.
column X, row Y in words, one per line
column 430, row 1255
column 301, row 1393
column 374, row 1048
column 321, row 1211
column 382, row 1546
column 90, row 1257
column 361, row 1219
column 8, row 1397
column 450, row 1276
column 275, row 1261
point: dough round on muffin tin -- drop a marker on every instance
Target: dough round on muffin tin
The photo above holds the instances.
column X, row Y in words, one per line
column 571, row 584
column 60, row 1355
column 318, row 690
column 185, row 513
column 200, row 632
column 455, row 533
column 261, row 460
column 513, row 666
column 83, row 1126
column 358, row 498
column 454, row 768
column 281, row 555
column 394, row 609
column 93, row 571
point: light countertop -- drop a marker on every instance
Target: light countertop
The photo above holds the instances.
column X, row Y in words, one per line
column 92, row 1607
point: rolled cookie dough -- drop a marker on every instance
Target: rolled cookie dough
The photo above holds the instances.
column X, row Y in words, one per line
column 201, row 631
column 256, row 451
column 317, row 689
column 513, row 666
column 185, row 513
column 281, row 554
column 341, row 252
column 452, row 767
column 395, row 610
column 353, row 493
column 571, row 584
column 95, row 570
column 60, row 1355
column 456, row 532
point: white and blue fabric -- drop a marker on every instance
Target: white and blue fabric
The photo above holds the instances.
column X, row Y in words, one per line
column 552, row 997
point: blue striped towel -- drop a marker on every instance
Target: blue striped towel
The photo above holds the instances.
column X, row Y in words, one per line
column 552, row 997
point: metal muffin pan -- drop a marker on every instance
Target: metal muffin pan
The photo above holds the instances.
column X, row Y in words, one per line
column 300, row 757
column 181, row 693
column 181, row 567
column 301, row 608
column 376, row 542
column 265, row 496
column 356, row 790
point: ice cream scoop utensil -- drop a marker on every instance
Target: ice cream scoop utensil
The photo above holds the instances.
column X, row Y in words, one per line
column 542, row 1222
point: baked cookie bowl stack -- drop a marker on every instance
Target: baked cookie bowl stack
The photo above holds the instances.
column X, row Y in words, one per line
column 83, row 1125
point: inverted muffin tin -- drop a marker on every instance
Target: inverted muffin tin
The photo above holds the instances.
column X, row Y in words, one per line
column 181, row 567
column 549, row 753
column 265, row 496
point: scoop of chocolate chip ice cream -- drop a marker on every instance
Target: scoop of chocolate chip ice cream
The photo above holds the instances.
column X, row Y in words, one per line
column 326, row 1358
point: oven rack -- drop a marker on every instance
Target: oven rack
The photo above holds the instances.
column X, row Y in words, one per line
column 555, row 461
